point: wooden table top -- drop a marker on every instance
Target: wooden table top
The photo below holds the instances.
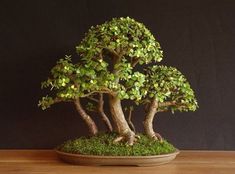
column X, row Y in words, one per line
column 45, row 161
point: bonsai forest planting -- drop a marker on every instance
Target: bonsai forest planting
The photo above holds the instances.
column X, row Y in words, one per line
column 118, row 60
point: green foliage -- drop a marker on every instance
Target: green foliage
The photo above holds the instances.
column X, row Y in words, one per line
column 133, row 85
column 130, row 81
column 125, row 42
column 91, row 107
column 46, row 102
column 102, row 144
column 122, row 36
column 168, row 84
column 69, row 81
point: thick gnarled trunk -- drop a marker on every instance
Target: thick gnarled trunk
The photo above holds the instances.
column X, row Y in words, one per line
column 88, row 120
column 148, row 122
column 117, row 113
column 120, row 121
column 116, row 109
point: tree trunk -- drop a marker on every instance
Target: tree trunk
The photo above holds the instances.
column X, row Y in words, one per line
column 119, row 119
column 148, row 122
column 130, row 123
column 113, row 114
column 102, row 114
column 106, row 121
column 88, row 120
column 116, row 109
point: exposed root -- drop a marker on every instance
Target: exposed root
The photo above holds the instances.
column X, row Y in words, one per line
column 118, row 139
column 157, row 137
column 137, row 137
column 130, row 138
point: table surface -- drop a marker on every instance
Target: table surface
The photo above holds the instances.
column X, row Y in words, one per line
column 46, row 161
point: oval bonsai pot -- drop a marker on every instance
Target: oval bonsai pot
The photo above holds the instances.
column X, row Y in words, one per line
column 96, row 160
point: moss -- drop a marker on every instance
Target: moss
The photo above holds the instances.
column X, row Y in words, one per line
column 102, row 144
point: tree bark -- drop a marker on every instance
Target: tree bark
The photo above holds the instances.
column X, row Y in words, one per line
column 148, row 122
column 102, row 114
column 88, row 120
column 116, row 109
column 113, row 114
column 119, row 118
column 130, row 123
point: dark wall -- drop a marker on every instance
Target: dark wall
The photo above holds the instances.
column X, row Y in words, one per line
column 198, row 37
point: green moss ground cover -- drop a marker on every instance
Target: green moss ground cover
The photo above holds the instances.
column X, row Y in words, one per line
column 102, row 144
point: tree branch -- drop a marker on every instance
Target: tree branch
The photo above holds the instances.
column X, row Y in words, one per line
column 58, row 100
column 134, row 61
column 162, row 110
column 105, row 90
column 168, row 103
column 113, row 52
column 93, row 99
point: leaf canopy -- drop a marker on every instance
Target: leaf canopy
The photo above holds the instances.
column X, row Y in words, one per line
column 122, row 37
column 167, row 84
column 125, row 42
column 69, row 81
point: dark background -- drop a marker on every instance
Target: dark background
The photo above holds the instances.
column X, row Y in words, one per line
column 198, row 37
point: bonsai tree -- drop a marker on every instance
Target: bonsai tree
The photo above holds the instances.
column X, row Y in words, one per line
column 74, row 81
column 165, row 89
column 110, row 60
